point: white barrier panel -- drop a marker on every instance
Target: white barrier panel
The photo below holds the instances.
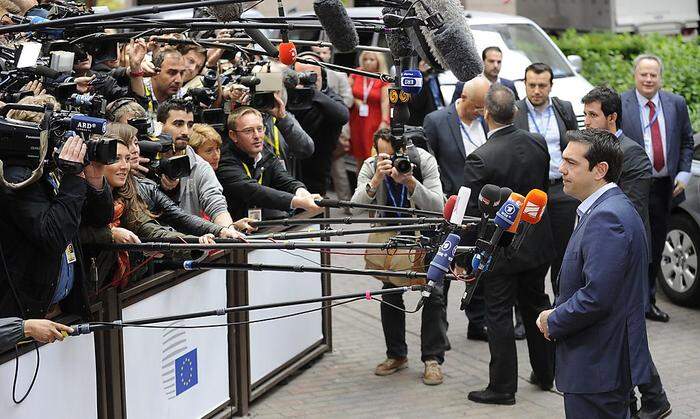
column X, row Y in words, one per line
column 274, row 343
column 177, row 373
column 65, row 387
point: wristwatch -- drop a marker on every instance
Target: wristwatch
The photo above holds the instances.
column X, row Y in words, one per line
column 370, row 190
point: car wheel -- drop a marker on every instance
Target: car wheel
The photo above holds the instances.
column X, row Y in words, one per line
column 678, row 276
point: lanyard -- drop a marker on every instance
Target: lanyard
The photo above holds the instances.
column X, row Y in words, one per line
column 247, row 171
column 464, row 130
column 390, row 194
column 653, row 120
column 275, row 143
column 618, row 134
column 365, row 89
column 149, row 96
column 546, row 127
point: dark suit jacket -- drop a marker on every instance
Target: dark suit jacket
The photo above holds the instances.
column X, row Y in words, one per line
column 635, row 180
column 679, row 132
column 519, row 160
column 598, row 323
column 563, row 112
column 460, row 85
column 445, row 138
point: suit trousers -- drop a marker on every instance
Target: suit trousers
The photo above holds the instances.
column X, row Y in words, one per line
column 610, row 405
column 476, row 310
column 433, row 330
column 562, row 216
column 652, row 393
column 502, row 292
column 659, row 212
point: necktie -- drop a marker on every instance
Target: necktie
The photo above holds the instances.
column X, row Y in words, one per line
column 657, row 146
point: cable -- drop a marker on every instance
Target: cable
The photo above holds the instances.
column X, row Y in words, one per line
column 14, row 381
column 396, row 307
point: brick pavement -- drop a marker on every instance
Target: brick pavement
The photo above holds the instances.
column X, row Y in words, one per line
column 342, row 383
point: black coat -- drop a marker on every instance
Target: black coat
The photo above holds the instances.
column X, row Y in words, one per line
column 519, row 160
column 243, row 192
column 36, row 225
column 323, row 122
column 635, row 180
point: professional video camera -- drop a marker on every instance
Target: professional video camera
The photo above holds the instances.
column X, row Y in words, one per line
column 301, row 98
column 203, row 98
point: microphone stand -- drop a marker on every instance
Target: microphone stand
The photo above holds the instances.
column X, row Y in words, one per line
column 171, row 247
column 85, row 328
column 302, row 42
column 346, row 220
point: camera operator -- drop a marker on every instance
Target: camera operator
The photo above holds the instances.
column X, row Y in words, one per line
column 417, row 185
column 200, row 193
column 323, row 122
column 253, row 177
column 165, row 84
column 39, row 223
column 195, row 58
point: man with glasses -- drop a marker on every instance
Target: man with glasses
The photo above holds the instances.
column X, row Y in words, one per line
column 255, row 181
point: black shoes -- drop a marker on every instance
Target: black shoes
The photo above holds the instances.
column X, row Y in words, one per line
column 536, row 381
column 489, row 396
column 655, row 314
column 659, row 413
column 477, row 333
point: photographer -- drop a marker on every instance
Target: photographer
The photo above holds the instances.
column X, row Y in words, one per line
column 323, row 122
column 416, row 186
column 39, row 223
column 254, row 179
column 200, row 193
column 165, row 84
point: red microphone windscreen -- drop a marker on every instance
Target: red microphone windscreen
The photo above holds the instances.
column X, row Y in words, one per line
column 288, row 53
column 520, row 200
column 535, row 203
column 449, row 207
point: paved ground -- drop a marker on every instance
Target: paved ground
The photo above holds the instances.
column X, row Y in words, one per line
column 341, row 384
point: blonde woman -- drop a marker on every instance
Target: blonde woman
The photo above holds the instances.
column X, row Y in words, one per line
column 206, row 142
column 370, row 110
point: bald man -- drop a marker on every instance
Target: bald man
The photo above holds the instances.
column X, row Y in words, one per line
column 457, row 130
column 454, row 133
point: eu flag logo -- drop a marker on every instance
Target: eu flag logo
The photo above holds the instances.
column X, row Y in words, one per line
column 185, row 371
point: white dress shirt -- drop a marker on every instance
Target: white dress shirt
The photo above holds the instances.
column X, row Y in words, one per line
column 473, row 135
column 545, row 124
column 587, row 203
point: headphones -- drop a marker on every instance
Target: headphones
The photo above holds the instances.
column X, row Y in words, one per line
column 113, row 107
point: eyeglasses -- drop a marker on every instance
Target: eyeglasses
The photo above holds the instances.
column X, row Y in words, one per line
column 251, row 130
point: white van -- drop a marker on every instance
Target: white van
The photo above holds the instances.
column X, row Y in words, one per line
column 520, row 39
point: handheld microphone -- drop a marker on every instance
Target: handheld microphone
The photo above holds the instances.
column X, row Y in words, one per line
column 520, row 200
column 531, row 213
column 489, row 201
column 446, row 252
column 232, row 12
column 337, row 24
column 287, row 53
column 451, row 41
column 505, row 218
column 411, row 81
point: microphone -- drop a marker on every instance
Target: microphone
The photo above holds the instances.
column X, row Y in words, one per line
column 411, row 81
column 260, row 39
column 337, row 24
column 504, row 219
column 531, row 213
column 451, row 41
column 520, row 200
column 446, row 252
column 287, row 53
column 290, row 78
column 421, row 46
column 396, row 38
column 232, row 12
column 489, row 200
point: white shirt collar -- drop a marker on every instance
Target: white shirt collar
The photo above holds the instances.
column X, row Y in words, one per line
column 587, row 203
column 531, row 107
column 496, row 130
column 257, row 159
column 643, row 100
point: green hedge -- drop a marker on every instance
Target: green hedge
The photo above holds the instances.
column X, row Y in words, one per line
column 607, row 59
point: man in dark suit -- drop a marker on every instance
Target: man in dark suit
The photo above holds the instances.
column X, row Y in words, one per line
column 550, row 117
column 453, row 133
column 492, row 57
column 516, row 159
column 598, row 319
column 602, row 107
column 659, row 122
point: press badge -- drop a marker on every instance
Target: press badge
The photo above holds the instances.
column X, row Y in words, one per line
column 70, row 253
column 255, row 214
column 364, row 110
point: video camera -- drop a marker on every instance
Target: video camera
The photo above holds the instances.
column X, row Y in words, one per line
column 151, row 147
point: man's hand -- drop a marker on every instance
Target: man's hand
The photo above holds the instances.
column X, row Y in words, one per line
column 230, row 233
column 124, row 236
column 73, row 150
column 83, row 84
column 207, row 239
column 678, row 188
column 542, row 323
column 280, row 110
column 45, row 331
column 307, row 202
column 168, row 184
column 35, row 87
column 404, row 178
column 94, row 174
column 137, row 50
column 244, row 225
column 384, row 167
column 237, row 93
column 140, row 164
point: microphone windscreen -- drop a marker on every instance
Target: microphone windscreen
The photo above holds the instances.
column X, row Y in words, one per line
column 397, row 39
column 260, row 39
column 520, row 200
column 287, row 53
column 420, row 44
column 290, row 78
column 506, row 215
column 449, row 207
column 489, row 199
column 453, row 43
column 505, row 194
column 227, row 12
column 44, row 71
column 533, row 207
column 338, row 26
column 326, row 202
column 461, row 207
